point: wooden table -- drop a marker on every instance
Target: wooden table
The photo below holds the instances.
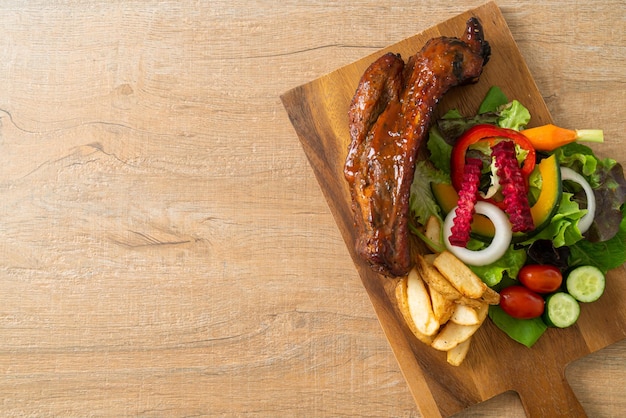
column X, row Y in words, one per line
column 166, row 248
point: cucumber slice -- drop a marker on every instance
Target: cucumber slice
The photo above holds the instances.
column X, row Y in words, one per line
column 586, row 283
column 561, row 311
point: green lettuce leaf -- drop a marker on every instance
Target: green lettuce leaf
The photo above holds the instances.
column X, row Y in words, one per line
column 452, row 125
column 605, row 255
column 494, row 110
column 440, row 150
column 524, row 331
column 563, row 228
column 422, row 203
column 606, row 178
column 508, row 265
column 579, row 158
column 610, row 196
column 513, row 115
column 452, row 114
column 494, row 99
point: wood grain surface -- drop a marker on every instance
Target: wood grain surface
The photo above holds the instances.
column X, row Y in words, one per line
column 167, row 250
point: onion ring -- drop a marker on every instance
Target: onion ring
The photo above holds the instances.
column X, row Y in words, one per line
column 585, row 222
column 499, row 244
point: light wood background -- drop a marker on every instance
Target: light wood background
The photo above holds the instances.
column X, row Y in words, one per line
column 166, row 250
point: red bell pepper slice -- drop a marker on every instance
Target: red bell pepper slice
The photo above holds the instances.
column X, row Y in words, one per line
column 492, row 134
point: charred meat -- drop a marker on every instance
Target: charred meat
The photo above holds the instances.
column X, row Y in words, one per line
column 389, row 118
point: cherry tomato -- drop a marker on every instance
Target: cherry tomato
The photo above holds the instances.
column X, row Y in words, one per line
column 521, row 303
column 540, row 278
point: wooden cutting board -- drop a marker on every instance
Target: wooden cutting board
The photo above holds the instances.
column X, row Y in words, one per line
column 495, row 364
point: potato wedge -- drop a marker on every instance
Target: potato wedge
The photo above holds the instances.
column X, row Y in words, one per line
column 443, row 308
column 465, row 315
column 456, row 355
column 482, row 311
column 474, row 303
column 454, row 334
column 432, row 231
column 435, row 279
column 420, row 306
column 459, row 275
column 403, row 305
column 490, row 296
column 444, row 303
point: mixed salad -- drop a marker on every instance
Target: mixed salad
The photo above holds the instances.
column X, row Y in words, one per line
column 533, row 212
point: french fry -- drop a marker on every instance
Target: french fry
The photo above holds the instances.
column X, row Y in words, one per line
column 403, row 304
column 456, row 355
column 465, row 315
column 443, row 308
column 459, row 275
column 420, row 306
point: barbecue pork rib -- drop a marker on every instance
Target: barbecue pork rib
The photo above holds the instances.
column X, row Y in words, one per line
column 389, row 118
